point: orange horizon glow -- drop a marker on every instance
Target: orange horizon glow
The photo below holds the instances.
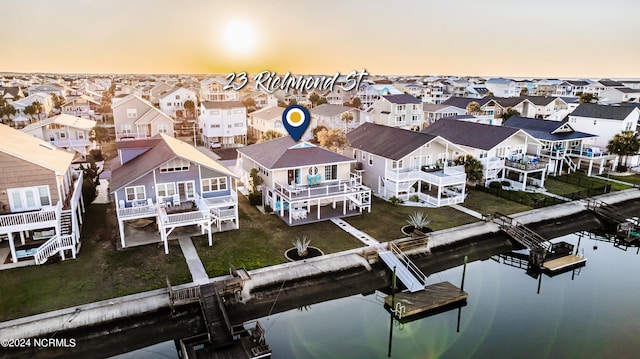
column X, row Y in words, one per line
column 545, row 39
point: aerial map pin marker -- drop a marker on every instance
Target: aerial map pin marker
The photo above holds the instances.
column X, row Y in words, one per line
column 296, row 119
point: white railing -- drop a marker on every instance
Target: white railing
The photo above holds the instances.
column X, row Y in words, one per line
column 553, row 153
column 417, row 273
column 192, row 217
column 71, row 143
column 31, row 219
column 222, row 214
column 77, row 191
column 137, row 212
column 325, row 189
column 494, row 163
column 589, row 152
column 526, row 166
column 230, row 200
column 448, row 176
column 52, row 246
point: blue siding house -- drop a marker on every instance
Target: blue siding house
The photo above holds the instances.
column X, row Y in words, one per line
column 172, row 182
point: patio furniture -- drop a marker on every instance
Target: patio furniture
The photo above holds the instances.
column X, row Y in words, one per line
column 176, row 199
column 121, row 203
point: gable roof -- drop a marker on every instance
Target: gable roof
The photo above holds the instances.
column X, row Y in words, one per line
column 329, row 110
column 163, row 148
column 284, row 152
column 462, row 102
column 385, row 141
column 268, row 112
column 543, row 100
column 545, row 129
column 402, row 99
column 471, row 134
column 148, row 116
column 602, row 111
column 34, row 150
column 65, row 120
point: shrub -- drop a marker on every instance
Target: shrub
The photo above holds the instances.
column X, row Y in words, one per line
column 395, row 201
column 414, row 198
column 622, row 168
column 255, row 198
column 267, row 208
column 506, row 183
column 88, row 191
column 418, row 220
column 495, row 184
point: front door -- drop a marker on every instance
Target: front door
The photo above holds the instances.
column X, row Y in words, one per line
column 186, row 190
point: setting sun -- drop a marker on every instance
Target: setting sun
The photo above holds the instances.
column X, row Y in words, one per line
column 239, row 37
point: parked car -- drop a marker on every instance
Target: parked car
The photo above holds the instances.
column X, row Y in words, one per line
column 215, row 144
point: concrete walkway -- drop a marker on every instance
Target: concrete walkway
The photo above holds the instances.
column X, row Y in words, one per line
column 102, row 191
column 614, row 180
column 361, row 236
column 546, row 193
column 198, row 274
column 467, row 211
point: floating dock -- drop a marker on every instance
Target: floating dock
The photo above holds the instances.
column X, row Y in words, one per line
column 564, row 263
column 431, row 299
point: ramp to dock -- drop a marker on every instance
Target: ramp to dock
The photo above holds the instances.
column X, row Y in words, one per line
column 432, row 298
column 403, row 273
column 215, row 316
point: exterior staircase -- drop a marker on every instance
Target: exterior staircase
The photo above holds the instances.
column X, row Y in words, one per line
column 65, row 240
column 406, row 271
column 572, row 166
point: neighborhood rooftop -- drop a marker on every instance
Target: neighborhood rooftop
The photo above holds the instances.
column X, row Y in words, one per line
column 34, row 150
column 389, row 142
column 284, row 152
column 222, row 104
column 545, row 129
column 476, row 135
column 602, row 111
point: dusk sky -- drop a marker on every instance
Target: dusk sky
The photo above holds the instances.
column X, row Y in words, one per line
column 541, row 38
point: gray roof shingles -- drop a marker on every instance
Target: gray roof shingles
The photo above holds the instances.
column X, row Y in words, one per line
column 593, row 110
column 543, row 129
column 388, row 142
column 277, row 153
column 471, row 134
column 402, row 99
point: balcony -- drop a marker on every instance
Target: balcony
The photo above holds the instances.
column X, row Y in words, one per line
column 71, row 143
column 588, row 152
column 42, row 218
column 321, row 190
column 450, row 175
column 526, row 164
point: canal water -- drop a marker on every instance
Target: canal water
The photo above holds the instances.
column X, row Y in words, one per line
column 592, row 312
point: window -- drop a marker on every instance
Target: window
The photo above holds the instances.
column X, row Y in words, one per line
column 400, row 108
column 370, row 160
column 166, row 189
column 396, row 164
column 132, row 113
column 215, row 125
column 595, row 122
column 416, row 107
column 483, row 155
column 80, row 135
column 214, row 184
column 331, row 172
column 239, row 124
column 162, row 128
column 415, row 118
column 313, row 171
column 125, row 129
column 135, row 193
column 177, row 97
column 399, row 119
column 175, row 165
column 628, row 126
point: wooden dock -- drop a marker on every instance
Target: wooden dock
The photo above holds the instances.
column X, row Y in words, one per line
column 431, row 299
column 564, row 263
column 215, row 316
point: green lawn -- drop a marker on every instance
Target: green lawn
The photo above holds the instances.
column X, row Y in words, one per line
column 100, row 272
column 634, row 179
column 486, row 203
column 262, row 240
column 560, row 188
column 566, row 184
column 384, row 221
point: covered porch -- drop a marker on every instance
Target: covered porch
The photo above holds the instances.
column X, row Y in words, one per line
column 430, row 185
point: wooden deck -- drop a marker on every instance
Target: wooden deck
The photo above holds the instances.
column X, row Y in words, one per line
column 565, row 262
column 432, row 298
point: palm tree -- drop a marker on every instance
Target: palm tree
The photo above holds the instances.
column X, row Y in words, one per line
column 473, row 108
column 624, row 144
column 270, row 135
column 509, row 112
column 472, row 167
column 347, row 117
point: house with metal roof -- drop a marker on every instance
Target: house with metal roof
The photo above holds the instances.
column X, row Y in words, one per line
column 561, row 145
column 223, row 123
column 168, row 181
column 506, row 153
column 81, row 106
column 605, row 121
column 402, row 111
column 40, row 199
column 410, row 165
column 305, row 183
column 135, row 118
column 65, row 131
